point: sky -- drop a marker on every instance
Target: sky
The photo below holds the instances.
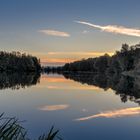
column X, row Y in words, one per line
column 60, row 31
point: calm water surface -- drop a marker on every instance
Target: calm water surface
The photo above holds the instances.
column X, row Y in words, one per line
column 80, row 110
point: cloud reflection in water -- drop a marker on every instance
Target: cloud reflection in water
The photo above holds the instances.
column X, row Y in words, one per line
column 114, row 114
column 53, row 107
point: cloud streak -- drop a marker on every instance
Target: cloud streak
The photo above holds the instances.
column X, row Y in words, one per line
column 114, row 114
column 55, row 33
column 114, row 29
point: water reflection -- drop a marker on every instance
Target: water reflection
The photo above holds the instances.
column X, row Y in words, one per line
column 53, row 107
column 18, row 80
column 114, row 114
column 58, row 100
column 126, row 87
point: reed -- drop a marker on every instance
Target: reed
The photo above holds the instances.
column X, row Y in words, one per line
column 11, row 129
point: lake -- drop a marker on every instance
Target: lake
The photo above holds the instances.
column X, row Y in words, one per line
column 81, row 106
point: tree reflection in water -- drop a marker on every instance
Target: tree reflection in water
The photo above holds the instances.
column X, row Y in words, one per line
column 128, row 88
column 18, row 80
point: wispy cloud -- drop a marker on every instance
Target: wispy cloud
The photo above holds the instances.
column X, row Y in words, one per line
column 114, row 29
column 114, row 114
column 85, row 32
column 53, row 107
column 55, row 33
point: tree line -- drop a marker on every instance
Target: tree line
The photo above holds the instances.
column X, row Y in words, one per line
column 16, row 61
column 127, row 59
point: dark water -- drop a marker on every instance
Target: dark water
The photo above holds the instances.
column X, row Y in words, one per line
column 81, row 106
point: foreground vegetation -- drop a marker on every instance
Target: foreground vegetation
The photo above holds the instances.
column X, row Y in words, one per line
column 15, row 61
column 10, row 129
column 127, row 59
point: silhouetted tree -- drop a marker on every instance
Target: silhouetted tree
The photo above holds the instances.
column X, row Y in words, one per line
column 15, row 61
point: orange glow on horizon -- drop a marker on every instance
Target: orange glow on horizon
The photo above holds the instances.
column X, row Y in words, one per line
column 56, row 61
column 60, row 58
column 81, row 53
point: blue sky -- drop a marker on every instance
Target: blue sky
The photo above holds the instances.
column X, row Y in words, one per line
column 22, row 23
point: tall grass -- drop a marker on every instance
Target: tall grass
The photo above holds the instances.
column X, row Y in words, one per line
column 10, row 129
